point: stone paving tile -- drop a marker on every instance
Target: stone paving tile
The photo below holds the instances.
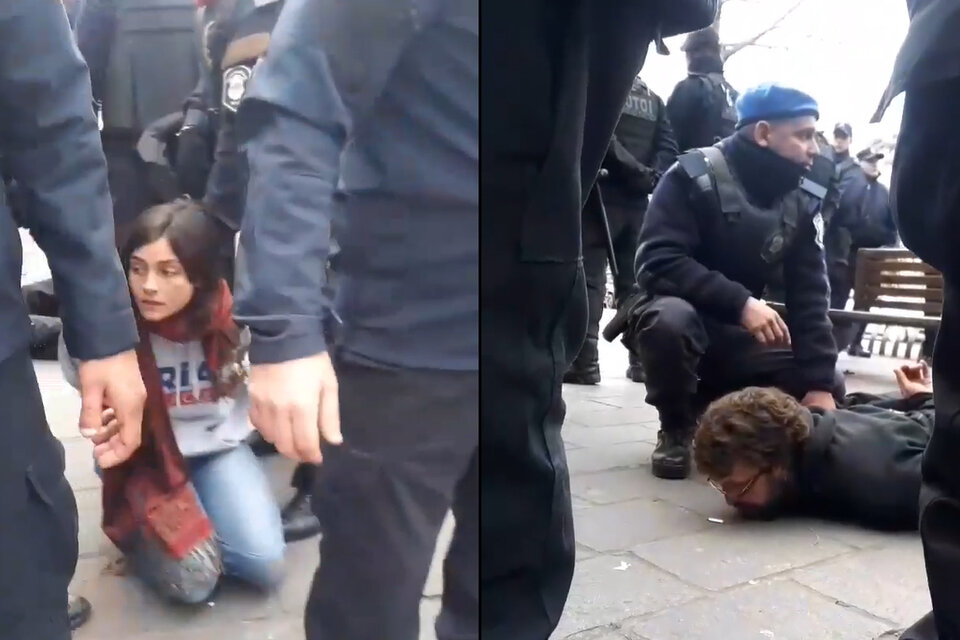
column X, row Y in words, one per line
column 620, row 526
column 889, row 583
column 593, row 459
column 776, row 610
column 599, row 633
column 609, row 416
column 733, row 553
column 607, row 487
column 598, row 436
column 607, row 589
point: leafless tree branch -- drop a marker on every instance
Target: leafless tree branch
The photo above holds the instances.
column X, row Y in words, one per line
column 728, row 50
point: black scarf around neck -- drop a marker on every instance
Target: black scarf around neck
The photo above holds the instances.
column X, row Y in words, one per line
column 766, row 175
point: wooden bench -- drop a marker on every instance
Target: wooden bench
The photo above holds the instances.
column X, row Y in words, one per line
column 892, row 279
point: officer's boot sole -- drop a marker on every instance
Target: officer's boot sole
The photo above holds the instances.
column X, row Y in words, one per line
column 636, row 374
column 581, row 377
column 668, row 470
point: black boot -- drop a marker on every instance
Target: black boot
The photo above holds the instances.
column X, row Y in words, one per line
column 586, row 368
column 857, row 350
column 79, row 609
column 671, row 457
column 922, row 629
column 635, row 371
column 299, row 522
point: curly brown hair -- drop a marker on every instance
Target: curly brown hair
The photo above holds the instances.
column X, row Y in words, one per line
column 757, row 426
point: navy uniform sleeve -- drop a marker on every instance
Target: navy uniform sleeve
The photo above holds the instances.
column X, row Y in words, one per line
column 807, row 300
column 669, row 239
column 50, row 142
column 294, row 121
column 665, row 143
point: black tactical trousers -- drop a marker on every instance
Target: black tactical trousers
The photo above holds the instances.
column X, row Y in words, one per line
column 38, row 537
column 127, row 176
column 532, row 322
column 691, row 359
column 927, row 193
column 625, row 222
column 409, row 455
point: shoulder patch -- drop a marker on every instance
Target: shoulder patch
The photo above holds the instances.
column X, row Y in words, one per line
column 235, row 81
column 818, row 226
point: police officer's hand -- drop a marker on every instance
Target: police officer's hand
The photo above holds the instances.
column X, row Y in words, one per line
column 113, row 381
column 819, row 400
column 764, row 324
column 294, row 403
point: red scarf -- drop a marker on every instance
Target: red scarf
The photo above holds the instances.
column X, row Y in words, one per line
column 150, row 494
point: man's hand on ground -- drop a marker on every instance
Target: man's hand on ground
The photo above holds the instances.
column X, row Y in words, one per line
column 294, row 403
column 112, row 383
column 820, row 400
column 914, row 379
column 764, row 324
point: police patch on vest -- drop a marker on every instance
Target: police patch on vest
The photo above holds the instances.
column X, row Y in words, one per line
column 235, row 85
column 641, row 105
column 818, row 225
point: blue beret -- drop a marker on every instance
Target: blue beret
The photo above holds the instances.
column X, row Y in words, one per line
column 772, row 101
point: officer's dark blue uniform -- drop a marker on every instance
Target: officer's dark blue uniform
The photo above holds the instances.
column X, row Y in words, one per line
column 641, row 149
column 720, row 226
column 926, row 202
column 235, row 37
column 364, row 115
column 50, row 146
column 555, row 77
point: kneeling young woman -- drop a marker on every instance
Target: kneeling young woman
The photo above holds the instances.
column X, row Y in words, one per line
column 193, row 504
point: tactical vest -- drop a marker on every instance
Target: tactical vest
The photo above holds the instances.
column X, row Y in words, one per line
column 637, row 128
column 724, row 99
column 154, row 62
column 751, row 229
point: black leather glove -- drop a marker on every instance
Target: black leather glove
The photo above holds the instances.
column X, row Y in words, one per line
column 194, row 160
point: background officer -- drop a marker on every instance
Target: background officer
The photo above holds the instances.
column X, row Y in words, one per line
column 720, row 225
column 143, row 60
column 641, row 149
column 702, row 106
column 236, row 34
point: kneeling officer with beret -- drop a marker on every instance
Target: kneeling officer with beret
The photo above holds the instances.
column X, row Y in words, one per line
column 723, row 224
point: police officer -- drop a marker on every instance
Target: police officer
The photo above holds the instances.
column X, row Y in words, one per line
column 236, row 34
column 143, row 60
column 926, row 203
column 720, row 224
column 51, row 148
column 702, row 106
column 641, row 149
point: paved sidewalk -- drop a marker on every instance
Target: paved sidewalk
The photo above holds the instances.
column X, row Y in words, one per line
column 652, row 566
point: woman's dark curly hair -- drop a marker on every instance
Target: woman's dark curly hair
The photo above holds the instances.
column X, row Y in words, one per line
column 757, row 426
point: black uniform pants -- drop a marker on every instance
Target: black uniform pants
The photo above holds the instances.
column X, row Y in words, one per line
column 129, row 185
column 925, row 187
column 409, row 455
column 624, row 222
column 38, row 535
column 691, row 359
column 845, row 332
column 533, row 320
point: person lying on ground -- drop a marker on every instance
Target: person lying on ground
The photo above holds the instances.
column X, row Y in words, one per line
column 770, row 456
column 209, row 510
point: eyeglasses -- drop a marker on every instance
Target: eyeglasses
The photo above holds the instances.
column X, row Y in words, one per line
column 744, row 491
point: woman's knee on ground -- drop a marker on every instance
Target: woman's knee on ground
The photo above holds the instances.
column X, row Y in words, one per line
column 263, row 567
column 190, row 580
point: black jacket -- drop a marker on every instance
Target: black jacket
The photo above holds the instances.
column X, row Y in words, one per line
column 862, row 462
column 678, row 257
column 694, row 110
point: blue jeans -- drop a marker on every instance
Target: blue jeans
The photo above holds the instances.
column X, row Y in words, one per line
column 234, row 492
